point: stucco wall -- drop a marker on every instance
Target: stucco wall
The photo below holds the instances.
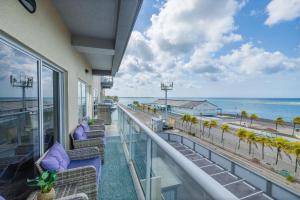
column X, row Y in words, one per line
column 45, row 33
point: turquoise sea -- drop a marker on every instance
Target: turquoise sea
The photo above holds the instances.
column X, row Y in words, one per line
column 268, row 108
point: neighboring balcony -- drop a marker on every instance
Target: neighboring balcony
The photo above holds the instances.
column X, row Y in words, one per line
column 107, row 82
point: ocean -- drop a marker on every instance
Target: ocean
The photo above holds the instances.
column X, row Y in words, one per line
column 267, row 108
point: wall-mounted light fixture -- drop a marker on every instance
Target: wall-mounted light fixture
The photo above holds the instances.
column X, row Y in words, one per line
column 86, row 71
column 29, row 5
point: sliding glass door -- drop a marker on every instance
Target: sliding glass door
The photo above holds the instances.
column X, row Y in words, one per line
column 30, row 115
column 51, row 106
column 19, row 120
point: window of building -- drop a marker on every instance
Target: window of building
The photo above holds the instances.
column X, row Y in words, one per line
column 82, row 100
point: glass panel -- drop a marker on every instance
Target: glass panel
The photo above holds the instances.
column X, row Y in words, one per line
column 50, row 81
column 19, row 141
column 170, row 181
column 167, row 179
column 82, row 100
column 79, row 101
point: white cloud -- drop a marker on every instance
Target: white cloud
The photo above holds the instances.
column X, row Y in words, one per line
column 252, row 60
column 282, row 10
column 182, row 43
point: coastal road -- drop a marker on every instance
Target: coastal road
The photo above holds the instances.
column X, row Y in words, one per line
column 231, row 144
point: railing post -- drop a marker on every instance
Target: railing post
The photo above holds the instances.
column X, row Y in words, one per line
column 148, row 168
column 130, row 138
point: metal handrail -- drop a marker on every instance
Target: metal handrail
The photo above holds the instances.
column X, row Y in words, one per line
column 210, row 185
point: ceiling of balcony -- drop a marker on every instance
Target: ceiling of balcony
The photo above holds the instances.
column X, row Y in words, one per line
column 100, row 29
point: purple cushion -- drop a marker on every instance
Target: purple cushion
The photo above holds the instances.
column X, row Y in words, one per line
column 79, row 134
column 56, row 159
column 85, row 127
column 50, row 163
column 58, row 150
column 96, row 162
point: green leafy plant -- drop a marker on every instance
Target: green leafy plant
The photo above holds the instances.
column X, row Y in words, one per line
column 291, row 178
column 91, row 122
column 45, row 181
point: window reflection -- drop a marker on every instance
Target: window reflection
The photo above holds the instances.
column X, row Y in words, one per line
column 82, row 100
column 19, row 140
column 50, row 81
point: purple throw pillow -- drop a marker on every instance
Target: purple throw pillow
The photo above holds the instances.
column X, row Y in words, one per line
column 79, row 134
column 50, row 163
column 58, row 151
column 85, row 127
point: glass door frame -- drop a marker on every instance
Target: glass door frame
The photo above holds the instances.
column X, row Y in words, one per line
column 61, row 127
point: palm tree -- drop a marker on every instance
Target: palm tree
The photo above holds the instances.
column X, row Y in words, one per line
column 279, row 143
column 205, row 125
column 212, row 124
column 188, row 119
column 296, row 152
column 183, row 118
column 243, row 114
column 193, row 121
column 154, row 110
column 250, row 138
column 241, row 133
column 252, row 117
column 225, row 128
column 264, row 141
column 296, row 121
column 279, row 121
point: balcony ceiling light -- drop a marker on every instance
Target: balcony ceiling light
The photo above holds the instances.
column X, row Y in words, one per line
column 29, row 5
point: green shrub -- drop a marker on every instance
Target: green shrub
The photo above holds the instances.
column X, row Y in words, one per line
column 291, row 178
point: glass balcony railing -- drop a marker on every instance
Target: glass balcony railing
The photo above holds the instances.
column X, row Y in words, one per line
column 163, row 172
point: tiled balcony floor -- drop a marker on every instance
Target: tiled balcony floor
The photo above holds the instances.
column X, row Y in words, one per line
column 116, row 182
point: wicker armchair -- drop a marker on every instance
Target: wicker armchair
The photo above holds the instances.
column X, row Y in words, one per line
column 99, row 121
column 78, row 196
column 94, row 138
column 83, row 177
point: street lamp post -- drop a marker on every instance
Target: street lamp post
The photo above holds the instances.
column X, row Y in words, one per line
column 166, row 87
column 23, row 82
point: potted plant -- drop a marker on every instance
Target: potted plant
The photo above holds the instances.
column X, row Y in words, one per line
column 45, row 182
column 91, row 122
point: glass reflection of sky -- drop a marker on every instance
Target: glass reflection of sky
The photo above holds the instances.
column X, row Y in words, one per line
column 14, row 62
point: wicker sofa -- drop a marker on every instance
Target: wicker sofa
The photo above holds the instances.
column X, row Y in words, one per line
column 83, row 137
column 83, row 170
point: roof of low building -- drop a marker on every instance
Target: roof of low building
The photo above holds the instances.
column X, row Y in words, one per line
column 183, row 103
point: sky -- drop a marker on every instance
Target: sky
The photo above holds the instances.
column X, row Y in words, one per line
column 220, row 48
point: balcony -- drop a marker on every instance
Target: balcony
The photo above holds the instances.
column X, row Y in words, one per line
column 107, row 82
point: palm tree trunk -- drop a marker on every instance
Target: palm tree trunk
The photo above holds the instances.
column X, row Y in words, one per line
column 294, row 129
column 209, row 132
column 276, row 126
column 203, row 131
column 241, row 120
column 239, row 143
column 296, row 164
column 249, row 148
column 222, row 139
column 251, row 122
column 263, row 151
column 277, row 156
